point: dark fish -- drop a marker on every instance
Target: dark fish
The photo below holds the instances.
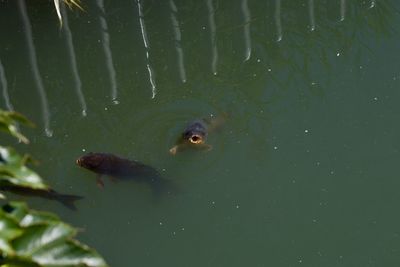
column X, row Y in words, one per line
column 124, row 169
column 66, row 200
column 196, row 132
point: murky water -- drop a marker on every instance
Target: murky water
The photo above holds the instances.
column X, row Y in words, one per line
column 304, row 172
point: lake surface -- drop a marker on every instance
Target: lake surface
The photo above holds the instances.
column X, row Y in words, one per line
column 305, row 172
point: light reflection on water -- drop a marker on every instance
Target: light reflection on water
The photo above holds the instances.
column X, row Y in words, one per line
column 107, row 52
column 35, row 68
column 72, row 57
column 178, row 39
column 147, row 47
column 4, row 85
column 213, row 37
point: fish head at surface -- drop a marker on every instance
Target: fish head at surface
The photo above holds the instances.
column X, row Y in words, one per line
column 195, row 133
column 90, row 161
column 194, row 136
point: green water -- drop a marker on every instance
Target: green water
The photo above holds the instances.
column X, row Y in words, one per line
column 303, row 173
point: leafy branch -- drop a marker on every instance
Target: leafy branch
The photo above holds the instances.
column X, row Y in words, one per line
column 69, row 3
column 33, row 238
column 28, row 237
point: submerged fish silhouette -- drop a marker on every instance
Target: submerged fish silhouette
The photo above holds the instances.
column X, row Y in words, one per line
column 125, row 169
column 65, row 199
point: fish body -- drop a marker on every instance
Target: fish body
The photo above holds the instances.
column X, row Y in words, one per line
column 124, row 169
column 117, row 167
column 65, row 199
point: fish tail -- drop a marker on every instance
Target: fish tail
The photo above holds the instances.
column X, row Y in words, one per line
column 164, row 187
column 68, row 200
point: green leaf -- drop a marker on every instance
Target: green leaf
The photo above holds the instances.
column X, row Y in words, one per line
column 9, row 123
column 18, row 117
column 14, row 171
column 8, row 230
column 33, row 238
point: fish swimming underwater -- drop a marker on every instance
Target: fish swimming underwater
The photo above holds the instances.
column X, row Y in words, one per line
column 196, row 132
column 124, row 169
column 66, row 200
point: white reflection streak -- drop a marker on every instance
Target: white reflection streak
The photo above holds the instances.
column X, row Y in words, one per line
column 278, row 20
column 3, row 81
column 146, row 45
column 342, row 10
column 107, row 52
column 35, row 68
column 177, row 35
column 214, row 50
column 373, row 3
column 246, row 29
column 311, row 13
column 72, row 58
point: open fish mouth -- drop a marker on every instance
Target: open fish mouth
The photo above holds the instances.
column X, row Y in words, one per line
column 196, row 139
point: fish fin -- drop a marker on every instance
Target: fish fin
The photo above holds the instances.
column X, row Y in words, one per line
column 178, row 148
column 206, row 147
column 173, row 150
column 68, row 200
column 215, row 123
column 99, row 182
column 164, row 187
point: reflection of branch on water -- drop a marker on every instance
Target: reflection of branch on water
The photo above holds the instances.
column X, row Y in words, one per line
column 342, row 10
column 214, row 50
column 6, row 96
column 146, row 46
column 311, row 14
column 178, row 45
column 278, row 20
column 3, row 82
column 35, row 68
column 72, row 57
column 297, row 63
column 107, row 52
column 246, row 29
